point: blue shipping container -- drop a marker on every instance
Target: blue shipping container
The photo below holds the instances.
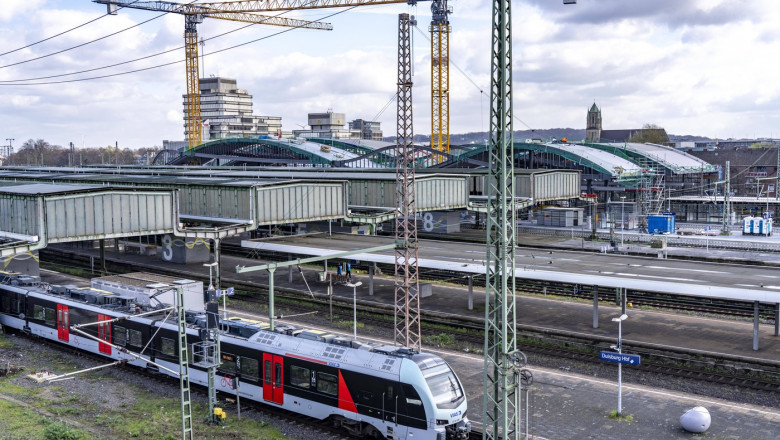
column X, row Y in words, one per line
column 660, row 224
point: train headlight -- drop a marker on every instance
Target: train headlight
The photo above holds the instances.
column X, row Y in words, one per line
column 440, row 422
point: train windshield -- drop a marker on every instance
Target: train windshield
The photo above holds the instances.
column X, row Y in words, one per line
column 444, row 386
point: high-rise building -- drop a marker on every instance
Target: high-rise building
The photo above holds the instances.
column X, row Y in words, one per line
column 368, row 129
column 226, row 112
column 330, row 125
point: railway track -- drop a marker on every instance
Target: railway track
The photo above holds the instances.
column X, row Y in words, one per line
column 736, row 372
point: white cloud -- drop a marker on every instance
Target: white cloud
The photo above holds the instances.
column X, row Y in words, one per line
column 13, row 9
column 702, row 67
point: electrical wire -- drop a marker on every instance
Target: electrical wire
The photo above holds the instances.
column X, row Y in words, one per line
column 89, row 42
column 64, row 32
column 82, row 44
column 173, row 62
column 481, row 90
column 129, row 61
column 392, row 99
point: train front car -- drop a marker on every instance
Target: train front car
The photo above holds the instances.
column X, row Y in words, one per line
column 441, row 394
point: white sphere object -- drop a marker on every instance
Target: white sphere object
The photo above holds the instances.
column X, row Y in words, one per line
column 696, row 419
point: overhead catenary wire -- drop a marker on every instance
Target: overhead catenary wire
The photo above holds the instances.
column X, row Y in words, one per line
column 88, row 42
column 81, row 45
column 130, row 61
column 179, row 61
column 462, row 72
column 63, row 32
column 385, row 107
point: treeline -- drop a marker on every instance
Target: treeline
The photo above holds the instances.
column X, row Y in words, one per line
column 41, row 153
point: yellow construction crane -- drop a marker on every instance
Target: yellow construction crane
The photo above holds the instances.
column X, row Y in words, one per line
column 194, row 15
column 440, row 50
column 440, row 75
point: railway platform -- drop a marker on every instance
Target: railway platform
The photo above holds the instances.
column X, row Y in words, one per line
column 562, row 405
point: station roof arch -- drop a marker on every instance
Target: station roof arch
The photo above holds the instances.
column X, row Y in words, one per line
column 662, row 156
column 264, row 151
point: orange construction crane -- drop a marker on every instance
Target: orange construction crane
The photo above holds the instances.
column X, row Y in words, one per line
column 194, row 15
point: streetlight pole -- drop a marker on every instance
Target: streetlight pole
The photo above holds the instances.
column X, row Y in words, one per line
column 354, row 308
column 619, row 348
column 622, row 218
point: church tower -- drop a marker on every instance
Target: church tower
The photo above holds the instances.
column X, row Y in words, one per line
column 593, row 127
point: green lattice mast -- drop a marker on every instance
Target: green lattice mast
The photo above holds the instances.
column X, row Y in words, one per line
column 500, row 415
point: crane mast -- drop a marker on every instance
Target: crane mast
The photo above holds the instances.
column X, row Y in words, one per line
column 192, row 127
column 440, row 75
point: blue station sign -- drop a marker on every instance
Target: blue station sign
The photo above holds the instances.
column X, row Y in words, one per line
column 621, row 358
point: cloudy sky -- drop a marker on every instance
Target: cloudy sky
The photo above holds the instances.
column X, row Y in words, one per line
column 702, row 67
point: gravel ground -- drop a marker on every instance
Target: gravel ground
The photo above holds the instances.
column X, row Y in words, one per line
column 34, row 355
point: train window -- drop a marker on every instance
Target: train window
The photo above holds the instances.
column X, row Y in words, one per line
column 327, row 383
column 168, row 346
column 299, row 377
column 444, row 386
column 50, row 316
column 120, row 336
column 228, row 363
column 268, row 372
column 250, row 368
column 412, row 398
column 44, row 314
column 5, row 306
column 136, row 339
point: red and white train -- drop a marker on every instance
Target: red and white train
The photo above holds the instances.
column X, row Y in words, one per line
column 370, row 390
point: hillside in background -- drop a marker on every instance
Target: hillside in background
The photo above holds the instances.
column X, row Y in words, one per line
column 481, row 137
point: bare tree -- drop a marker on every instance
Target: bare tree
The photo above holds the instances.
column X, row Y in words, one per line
column 651, row 134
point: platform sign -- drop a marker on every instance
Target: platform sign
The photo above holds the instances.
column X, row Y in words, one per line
column 621, row 358
column 231, row 291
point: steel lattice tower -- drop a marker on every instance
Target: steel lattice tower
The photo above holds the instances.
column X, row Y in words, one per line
column 407, row 287
column 501, row 394
column 440, row 76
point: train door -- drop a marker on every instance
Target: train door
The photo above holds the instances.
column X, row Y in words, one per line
column 273, row 378
column 63, row 323
column 104, row 333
